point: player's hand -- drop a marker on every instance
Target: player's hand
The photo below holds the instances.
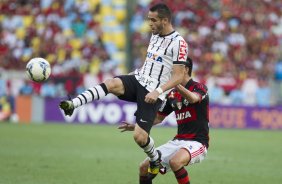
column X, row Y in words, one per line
column 179, row 87
column 126, row 127
column 152, row 97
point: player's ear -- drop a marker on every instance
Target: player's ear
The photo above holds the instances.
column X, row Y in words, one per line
column 165, row 20
column 186, row 70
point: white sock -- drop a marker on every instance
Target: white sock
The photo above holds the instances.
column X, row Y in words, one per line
column 150, row 150
column 95, row 93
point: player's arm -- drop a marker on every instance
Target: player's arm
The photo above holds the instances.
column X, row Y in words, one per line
column 176, row 78
column 192, row 97
column 179, row 57
column 125, row 126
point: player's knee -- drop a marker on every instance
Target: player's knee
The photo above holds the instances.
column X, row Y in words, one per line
column 175, row 163
column 113, row 84
column 110, row 83
column 143, row 168
column 139, row 138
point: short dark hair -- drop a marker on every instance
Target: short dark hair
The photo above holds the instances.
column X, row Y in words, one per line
column 189, row 64
column 163, row 10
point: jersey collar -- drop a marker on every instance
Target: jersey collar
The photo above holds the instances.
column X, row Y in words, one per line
column 167, row 34
column 189, row 83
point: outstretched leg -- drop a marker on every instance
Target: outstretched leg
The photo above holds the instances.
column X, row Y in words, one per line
column 97, row 92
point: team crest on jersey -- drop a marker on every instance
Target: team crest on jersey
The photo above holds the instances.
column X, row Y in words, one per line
column 154, row 57
column 185, row 102
column 182, row 55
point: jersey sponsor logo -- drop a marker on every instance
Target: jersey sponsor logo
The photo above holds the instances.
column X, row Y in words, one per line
column 186, row 115
column 154, row 57
column 183, row 115
column 182, row 51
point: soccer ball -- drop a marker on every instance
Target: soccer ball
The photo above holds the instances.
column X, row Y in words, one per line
column 38, row 69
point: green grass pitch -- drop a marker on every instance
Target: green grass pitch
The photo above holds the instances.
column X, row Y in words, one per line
column 93, row 154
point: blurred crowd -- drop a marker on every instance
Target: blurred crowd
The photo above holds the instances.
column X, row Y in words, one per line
column 76, row 36
column 70, row 34
column 236, row 45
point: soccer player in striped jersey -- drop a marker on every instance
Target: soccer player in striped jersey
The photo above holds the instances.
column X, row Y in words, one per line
column 162, row 70
column 190, row 103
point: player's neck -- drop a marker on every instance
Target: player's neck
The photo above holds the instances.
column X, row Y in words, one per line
column 167, row 30
column 186, row 80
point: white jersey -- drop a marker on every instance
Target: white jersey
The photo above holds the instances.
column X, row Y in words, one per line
column 163, row 52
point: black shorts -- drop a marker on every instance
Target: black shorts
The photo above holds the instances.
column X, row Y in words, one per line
column 135, row 92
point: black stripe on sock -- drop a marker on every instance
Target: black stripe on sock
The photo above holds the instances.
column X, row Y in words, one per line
column 98, row 96
column 150, row 152
column 80, row 100
column 91, row 94
column 181, row 173
column 104, row 87
column 84, row 97
column 148, row 142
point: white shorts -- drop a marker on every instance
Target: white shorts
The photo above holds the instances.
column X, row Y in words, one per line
column 197, row 152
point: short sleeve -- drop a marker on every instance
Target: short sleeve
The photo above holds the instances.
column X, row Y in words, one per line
column 179, row 51
column 201, row 90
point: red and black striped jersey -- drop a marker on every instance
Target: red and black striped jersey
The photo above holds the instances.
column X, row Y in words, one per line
column 192, row 119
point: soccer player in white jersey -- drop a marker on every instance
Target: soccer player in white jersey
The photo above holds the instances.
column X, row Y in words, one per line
column 162, row 70
column 190, row 103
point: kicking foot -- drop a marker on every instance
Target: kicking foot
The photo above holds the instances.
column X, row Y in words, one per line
column 67, row 107
column 154, row 168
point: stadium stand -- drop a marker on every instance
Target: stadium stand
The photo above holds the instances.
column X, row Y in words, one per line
column 76, row 37
column 236, row 46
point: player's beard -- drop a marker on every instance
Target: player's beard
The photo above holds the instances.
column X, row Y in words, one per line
column 158, row 29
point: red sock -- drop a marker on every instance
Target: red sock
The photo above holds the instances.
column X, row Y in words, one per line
column 145, row 180
column 182, row 176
